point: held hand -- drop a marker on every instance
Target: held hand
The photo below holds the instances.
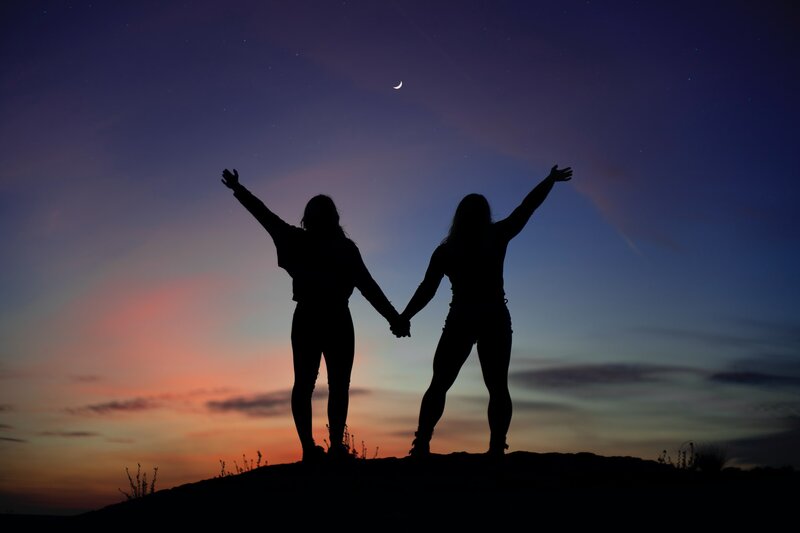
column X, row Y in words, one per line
column 563, row 174
column 230, row 180
column 401, row 327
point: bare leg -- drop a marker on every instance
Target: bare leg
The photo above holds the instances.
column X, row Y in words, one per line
column 453, row 349
column 306, row 356
column 494, row 353
column 339, row 352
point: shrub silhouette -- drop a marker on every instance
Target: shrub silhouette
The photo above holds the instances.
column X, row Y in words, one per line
column 139, row 487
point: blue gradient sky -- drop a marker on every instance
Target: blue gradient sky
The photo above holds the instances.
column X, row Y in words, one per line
column 143, row 317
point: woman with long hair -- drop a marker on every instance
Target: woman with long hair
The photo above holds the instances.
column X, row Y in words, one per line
column 472, row 256
column 325, row 266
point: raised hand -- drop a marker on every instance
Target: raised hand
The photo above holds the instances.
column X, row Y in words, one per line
column 560, row 174
column 230, row 180
column 401, row 327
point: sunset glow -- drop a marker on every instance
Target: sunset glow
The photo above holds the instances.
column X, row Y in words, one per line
column 143, row 316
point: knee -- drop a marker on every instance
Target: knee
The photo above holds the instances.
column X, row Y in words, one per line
column 497, row 387
column 500, row 392
column 303, row 387
column 338, row 385
column 439, row 387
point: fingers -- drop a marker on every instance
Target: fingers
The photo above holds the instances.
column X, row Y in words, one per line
column 561, row 174
column 402, row 329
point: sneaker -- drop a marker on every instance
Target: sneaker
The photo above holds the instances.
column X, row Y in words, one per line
column 313, row 455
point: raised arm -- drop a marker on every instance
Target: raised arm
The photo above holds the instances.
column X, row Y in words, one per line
column 514, row 223
column 427, row 289
column 271, row 222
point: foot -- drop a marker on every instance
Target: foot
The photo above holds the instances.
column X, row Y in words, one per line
column 339, row 452
column 497, row 449
column 313, row 454
column 420, row 448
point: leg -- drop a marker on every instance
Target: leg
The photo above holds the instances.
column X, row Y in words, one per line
column 494, row 353
column 453, row 349
column 339, row 351
column 306, row 356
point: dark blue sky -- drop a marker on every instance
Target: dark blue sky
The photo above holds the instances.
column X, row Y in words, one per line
column 654, row 297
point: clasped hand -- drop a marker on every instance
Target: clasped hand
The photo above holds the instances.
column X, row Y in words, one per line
column 401, row 327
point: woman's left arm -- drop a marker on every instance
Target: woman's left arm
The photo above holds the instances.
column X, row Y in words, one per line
column 367, row 285
column 514, row 223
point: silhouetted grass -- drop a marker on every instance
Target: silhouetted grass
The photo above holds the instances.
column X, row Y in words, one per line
column 349, row 442
column 246, row 466
column 139, row 487
column 703, row 457
column 685, row 457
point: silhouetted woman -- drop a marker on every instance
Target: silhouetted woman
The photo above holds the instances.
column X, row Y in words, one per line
column 472, row 257
column 325, row 266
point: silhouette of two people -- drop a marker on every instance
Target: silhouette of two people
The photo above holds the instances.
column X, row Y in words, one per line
column 325, row 266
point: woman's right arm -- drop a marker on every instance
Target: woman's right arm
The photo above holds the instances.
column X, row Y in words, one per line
column 271, row 222
column 427, row 289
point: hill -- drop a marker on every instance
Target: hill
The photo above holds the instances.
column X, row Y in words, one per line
column 461, row 488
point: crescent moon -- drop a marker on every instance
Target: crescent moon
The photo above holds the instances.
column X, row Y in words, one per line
column 398, row 85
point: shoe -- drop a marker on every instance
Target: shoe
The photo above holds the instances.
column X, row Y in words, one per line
column 497, row 449
column 313, row 455
column 421, row 447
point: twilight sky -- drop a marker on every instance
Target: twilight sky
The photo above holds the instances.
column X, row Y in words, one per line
column 143, row 317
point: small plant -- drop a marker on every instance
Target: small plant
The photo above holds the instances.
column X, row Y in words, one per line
column 710, row 458
column 703, row 457
column 349, row 443
column 246, row 466
column 685, row 457
column 139, row 487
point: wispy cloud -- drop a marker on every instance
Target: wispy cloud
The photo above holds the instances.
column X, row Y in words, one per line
column 5, row 426
column 759, row 379
column 776, row 449
column 6, row 407
column 12, row 439
column 265, row 404
column 118, row 406
column 529, row 405
column 765, row 371
column 146, row 403
column 69, row 434
column 601, row 374
column 259, row 405
column 86, row 378
column 543, row 407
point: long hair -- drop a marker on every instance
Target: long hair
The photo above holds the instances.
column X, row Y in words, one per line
column 321, row 217
column 473, row 217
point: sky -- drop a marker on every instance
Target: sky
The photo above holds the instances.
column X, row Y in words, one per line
column 143, row 316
